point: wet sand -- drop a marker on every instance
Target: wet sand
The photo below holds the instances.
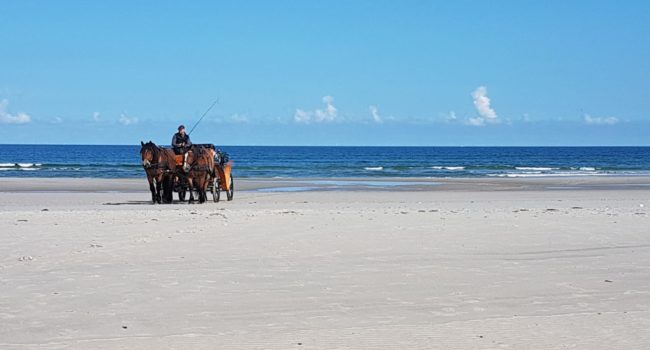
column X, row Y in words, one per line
column 304, row 184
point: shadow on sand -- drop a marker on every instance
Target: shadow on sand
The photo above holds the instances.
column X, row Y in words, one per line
column 129, row 203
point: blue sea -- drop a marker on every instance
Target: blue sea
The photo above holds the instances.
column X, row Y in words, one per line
column 318, row 162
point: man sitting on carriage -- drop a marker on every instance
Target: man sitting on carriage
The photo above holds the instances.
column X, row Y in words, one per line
column 181, row 143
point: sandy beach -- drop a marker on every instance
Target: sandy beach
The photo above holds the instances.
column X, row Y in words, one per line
column 438, row 264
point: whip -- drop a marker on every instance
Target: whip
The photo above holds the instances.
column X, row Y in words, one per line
column 204, row 114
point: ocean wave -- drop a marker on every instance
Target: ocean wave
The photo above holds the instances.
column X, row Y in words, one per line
column 452, row 168
column 374, row 168
column 533, row 168
column 19, row 165
column 587, row 168
column 540, row 174
column 66, row 168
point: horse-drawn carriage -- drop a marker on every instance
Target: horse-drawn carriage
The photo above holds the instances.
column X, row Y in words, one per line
column 204, row 169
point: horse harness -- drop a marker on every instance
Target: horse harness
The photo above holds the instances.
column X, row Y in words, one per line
column 197, row 167
column 147, row 165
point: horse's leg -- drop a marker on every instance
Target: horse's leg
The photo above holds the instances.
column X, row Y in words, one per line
column 190, row 185
column 165, row 189
column 169, row 188
column 152, row 188
column 199, row 188
column 158, row 188
column 206, row 181
column 202, row 189
column 181, row 187
column 164, row 179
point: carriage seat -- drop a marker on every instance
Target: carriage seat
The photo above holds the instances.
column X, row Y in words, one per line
column 179, row 159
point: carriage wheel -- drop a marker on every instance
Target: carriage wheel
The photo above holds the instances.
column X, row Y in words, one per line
column 231, row 192
column 216, row 190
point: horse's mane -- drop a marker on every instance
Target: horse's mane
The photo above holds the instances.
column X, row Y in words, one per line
column 201, row 154
column 151, row 147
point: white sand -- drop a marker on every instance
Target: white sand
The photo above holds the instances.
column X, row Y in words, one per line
column 327, row 270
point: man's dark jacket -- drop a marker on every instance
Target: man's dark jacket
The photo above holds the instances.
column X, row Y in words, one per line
column 181, row 142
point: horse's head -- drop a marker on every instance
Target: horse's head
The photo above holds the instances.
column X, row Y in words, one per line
column 198, row 155
column 149, row 153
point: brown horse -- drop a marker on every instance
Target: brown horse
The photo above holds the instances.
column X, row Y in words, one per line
column 158, row 163
column 201, row 170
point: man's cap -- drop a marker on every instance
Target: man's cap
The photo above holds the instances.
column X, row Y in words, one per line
column 180, row 127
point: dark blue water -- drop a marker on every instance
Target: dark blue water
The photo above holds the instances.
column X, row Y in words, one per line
column 369, row 162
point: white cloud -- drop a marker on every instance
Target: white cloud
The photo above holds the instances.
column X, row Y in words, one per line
column 375, row 114
column 329, row 114
column 126, row 120
column 482, row 103
column 239, row 118
column 96, row 116
column 301, row 116
column 57, row 120
column 475, row 121
column 600, row 120
column 449, row 117
column 8, row 118
column 483, row 107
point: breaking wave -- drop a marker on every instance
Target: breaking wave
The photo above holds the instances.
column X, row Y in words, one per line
column 20, row 165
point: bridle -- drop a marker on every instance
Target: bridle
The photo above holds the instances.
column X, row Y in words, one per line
column 197, row 154
column 155, row 152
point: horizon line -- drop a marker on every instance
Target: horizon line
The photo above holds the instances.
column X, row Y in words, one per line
column 413, row 146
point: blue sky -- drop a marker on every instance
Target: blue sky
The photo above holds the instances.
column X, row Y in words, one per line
column 326, row 72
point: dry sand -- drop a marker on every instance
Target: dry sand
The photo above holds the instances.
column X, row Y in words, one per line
column 509, row 266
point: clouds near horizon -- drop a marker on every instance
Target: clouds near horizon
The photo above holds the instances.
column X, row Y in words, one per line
column 374, row 111
column 328, row 114
column 126, row 120
column 589, row 120
column 482, row 103
column 8, row 118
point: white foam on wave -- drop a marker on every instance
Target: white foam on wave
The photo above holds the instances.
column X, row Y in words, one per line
column 20, row 166
column 534, row 168
column 438, row 167
column 540, row 174
column 374, row 168
column 587, row 168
